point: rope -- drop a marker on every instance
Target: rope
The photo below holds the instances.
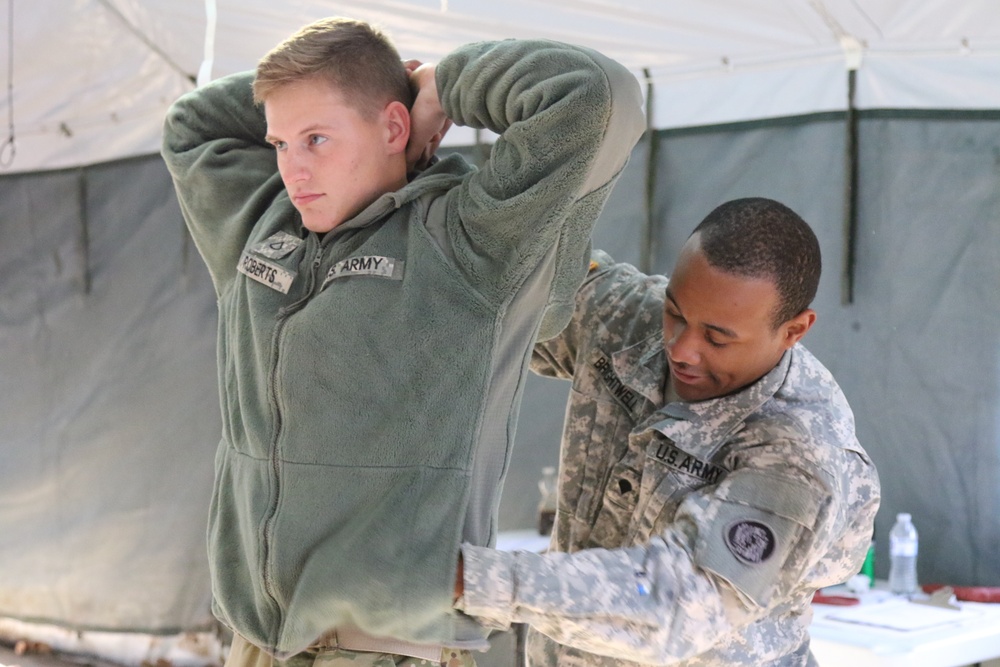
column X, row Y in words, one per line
column 9, row 148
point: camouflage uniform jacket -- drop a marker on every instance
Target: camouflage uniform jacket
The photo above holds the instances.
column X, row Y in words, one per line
column 686, row 533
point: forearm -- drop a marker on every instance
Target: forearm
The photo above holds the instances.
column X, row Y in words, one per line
column 579, row 103
column 645, row 604
column 223, row 110
column 567, row 119
column 224, row 173
column 685, row 589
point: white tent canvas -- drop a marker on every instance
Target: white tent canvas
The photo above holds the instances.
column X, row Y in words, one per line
column 93, row 78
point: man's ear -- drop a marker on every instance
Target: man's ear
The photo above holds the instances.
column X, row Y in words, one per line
column 397, row 125
column 797, row 327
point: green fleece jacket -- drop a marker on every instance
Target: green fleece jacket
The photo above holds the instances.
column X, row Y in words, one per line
column 370, row 379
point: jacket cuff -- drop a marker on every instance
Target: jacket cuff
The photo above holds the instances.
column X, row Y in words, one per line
column 489, row 585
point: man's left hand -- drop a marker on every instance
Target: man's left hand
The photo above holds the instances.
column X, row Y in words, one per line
column 459, row 579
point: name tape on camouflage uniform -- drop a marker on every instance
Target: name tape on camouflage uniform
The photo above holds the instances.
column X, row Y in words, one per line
column 266, row 273
column 628, row 398
column 372, row 265
column 677, row 459
column 277, row 245
column 752, row 542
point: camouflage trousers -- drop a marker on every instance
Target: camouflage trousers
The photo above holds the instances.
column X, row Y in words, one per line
column 244, row 654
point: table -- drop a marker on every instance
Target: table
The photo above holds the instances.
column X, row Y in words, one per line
column 522, row 540
column 938, row 638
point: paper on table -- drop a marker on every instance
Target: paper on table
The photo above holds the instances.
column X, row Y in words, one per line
column 522, row 540
column 902, row 615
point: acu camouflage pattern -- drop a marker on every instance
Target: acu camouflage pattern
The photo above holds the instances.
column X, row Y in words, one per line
column 650, row 490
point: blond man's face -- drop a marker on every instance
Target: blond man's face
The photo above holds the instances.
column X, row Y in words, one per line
column 333, row 160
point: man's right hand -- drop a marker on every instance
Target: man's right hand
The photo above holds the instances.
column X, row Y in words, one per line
column 428, row 122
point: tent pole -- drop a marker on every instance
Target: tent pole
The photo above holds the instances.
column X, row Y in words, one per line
column 649, row 241
column 851, row 193
column 9, row 148
column 82, row 196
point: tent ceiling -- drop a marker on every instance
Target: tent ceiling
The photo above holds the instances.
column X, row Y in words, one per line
column 92, row 78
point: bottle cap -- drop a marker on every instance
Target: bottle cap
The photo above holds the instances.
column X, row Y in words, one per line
column 903, row 516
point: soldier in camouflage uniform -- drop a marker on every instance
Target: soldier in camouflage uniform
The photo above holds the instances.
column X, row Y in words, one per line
column 710, row 477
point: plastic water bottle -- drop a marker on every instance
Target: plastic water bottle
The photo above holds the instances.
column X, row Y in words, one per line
column 903, row 553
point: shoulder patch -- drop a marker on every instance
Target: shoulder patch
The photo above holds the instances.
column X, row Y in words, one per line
column 752, row 542
column 754, row 523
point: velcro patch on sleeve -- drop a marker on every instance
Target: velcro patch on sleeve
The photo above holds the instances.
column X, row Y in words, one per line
column 277, row 245
column 759, row 519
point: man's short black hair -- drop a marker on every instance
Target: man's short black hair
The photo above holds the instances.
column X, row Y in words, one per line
column 763, row 238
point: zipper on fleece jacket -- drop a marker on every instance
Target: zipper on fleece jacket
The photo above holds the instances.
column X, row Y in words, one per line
column 385, row 206
column 272, row 388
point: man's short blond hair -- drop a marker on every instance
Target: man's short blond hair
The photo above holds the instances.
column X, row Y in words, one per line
column 355, row 57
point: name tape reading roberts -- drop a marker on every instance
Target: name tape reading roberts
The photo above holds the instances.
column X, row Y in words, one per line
column 266, row 273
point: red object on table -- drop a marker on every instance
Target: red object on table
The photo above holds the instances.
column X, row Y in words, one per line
column 969, row 593
column 839, row 600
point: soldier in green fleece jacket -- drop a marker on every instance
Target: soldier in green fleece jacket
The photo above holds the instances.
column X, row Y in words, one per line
column 375, row 326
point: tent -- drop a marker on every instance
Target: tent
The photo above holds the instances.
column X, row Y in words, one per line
column 93, row 79
column 879, row 122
